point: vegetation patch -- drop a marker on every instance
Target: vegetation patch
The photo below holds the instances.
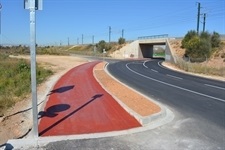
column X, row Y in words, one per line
column 15, row 80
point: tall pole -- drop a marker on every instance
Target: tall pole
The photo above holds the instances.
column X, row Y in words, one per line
column 33, row 66
column 68, row 41
column 109, row 34
column 93, row 40
column 122, row 32
column 1, row 25
column 82, row 39
column 77, row 41
column 198, row 17
column 204, row 18
column 0, row 18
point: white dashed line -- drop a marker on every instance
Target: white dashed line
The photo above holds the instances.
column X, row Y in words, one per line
column 215, row 86
column 171, row 85
column 154, row 70
column 175, row 77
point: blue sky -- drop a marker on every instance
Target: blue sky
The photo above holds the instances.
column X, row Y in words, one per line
column 63, row 19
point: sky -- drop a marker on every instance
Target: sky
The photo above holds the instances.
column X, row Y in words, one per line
column 61, row 21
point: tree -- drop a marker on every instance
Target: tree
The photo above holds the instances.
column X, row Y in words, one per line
column 103, row 45
column 121, row 41
column 215, row 40
column 188, row 37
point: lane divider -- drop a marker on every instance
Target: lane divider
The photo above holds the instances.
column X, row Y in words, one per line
column 217, row 87
column 174, row 77
column 171, row 85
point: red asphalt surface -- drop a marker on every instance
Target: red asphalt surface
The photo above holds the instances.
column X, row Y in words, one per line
column 78, row 105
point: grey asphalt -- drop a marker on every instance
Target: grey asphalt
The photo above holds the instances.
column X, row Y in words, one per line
column 197, row 104
column 199, row 110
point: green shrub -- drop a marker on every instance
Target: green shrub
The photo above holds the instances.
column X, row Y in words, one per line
column 200, row 46
column 103, row 45
column 215, row 40
column 188, row 37
column 121, row 41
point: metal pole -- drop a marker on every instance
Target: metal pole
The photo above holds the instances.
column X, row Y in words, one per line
column 204, row 15
column 109, row 34
column 198, row 18
column 122, row 33
column 33, row 66
column 0, row 18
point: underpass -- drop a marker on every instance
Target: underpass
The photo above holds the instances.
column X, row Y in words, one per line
column 145, row 47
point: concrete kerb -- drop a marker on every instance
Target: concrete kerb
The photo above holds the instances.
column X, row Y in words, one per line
column 143, row 120
column 154, row 121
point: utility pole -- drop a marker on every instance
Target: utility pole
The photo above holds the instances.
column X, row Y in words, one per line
column 122, row 32
column 93, row 40
column 204, row 18
column 1, row 25
column 0, row 18
column 198, row 16
column 77, row 41
column 82, row 39
column 68, row 41
column 109, row 34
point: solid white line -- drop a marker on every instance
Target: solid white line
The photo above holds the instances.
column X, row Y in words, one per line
column 215, row 86
column 222, row 100
column 175, row 77
column 154, row 70
column 144, row 64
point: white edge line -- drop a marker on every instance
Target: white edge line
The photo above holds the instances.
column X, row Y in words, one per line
column 174, row 85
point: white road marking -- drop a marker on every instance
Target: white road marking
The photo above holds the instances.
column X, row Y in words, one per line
column 174, row 77
column 144, row 64
column 178, row 87
column 154, row 70
column 221, row 88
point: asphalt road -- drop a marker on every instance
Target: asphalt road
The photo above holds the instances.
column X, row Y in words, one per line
column 197, row 103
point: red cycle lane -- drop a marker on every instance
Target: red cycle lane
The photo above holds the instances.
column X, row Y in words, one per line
column 78, row 105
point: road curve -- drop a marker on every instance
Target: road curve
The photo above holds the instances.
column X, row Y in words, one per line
column 78, row 105
column 198, row 103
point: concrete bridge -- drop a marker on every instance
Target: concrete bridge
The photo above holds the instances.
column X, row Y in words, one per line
column 144, row 48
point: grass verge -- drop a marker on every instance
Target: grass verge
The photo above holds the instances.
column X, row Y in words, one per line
column 15, row 80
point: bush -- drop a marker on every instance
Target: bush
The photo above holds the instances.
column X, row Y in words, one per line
column 103, row 45
column 188, row 37
column 200, row 46
column 121, row 41
column 215, row 40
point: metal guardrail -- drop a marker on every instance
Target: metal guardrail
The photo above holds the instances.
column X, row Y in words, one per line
column 153, row 37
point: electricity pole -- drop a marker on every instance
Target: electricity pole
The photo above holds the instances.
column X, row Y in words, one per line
column 68, row 41
column 109, row 34
column 93, row 40
column 198, row 16
column 204, row 18
column 1, row 25
column 82, row 39
column 122, row 32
